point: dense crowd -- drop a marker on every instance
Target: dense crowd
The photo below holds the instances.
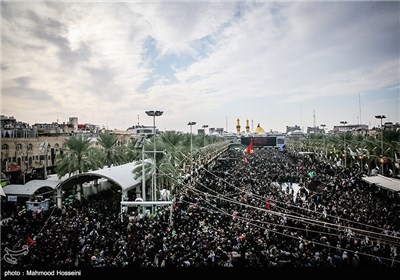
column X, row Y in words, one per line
column 242, row 212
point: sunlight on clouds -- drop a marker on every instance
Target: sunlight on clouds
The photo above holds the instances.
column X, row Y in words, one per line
column 112, row 61
column 74, row 37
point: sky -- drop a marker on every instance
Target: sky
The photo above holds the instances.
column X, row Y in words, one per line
column 273, row 63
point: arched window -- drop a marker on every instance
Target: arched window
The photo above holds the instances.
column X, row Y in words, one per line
column 29, row 147
column 19, row 147
column 4, row 147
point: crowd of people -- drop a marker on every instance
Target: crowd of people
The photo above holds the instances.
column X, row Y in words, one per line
column 245, row 211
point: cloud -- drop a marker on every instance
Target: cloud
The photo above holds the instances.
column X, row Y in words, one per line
column 198, row 60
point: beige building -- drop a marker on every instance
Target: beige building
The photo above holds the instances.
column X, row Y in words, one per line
column 29, row 153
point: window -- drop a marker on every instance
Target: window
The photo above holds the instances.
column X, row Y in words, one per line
column 18, row 147
column 29, row 147
column 4, row 147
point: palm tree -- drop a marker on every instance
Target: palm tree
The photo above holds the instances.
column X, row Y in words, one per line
column 132, row 152
column 176, row 147
column 170, row 164
column 77, row 157
column 111, row 154
column 149, row 167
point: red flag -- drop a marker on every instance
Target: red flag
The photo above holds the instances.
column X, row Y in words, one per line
column 267, row 205
column 250, row 147
column 30, row 241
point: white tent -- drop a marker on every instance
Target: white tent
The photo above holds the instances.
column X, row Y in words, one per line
column 30, row 188
column 385, row 182
column 121, row 175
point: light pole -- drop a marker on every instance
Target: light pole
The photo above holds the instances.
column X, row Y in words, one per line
column 43, row 150
column 191, row 141
column 344, row 143
column 204, row 135
column 381, row 117
column 323, row 127
column 154, row 114
column 140, row 142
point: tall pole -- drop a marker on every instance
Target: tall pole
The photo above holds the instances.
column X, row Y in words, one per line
column 43, row 151
column 382, row 147
column 204, row 135
column 154, row 114
column 323, row 127
column 191, row 141
column 45, row 162
column 143, row 180
column 344, row 143
column 381, row 117
column 154, row 150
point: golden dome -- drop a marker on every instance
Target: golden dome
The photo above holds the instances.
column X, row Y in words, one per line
column 259, row 129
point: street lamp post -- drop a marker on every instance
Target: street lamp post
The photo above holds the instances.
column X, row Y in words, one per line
column 323, row 127
column 381, row 117
column 344, row 143
column 191, row 141
column 204, row 135
column 143, row 179
column 154, row 114
column 43, row 150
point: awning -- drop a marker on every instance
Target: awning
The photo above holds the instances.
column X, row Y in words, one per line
column 30, row 188
column 121, row 175
column 385, row 182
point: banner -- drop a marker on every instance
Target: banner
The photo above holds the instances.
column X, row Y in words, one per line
column 12, row 198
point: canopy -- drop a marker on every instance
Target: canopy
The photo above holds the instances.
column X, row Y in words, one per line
column 121, row 175
column 30, row 187
column 385, row 182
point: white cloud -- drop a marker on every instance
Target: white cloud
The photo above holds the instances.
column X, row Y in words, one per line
column 90, row 59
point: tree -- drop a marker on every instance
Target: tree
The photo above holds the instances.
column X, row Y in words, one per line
column 111, row 153
column 132, row 152
column 77, row 157
column 175, row 156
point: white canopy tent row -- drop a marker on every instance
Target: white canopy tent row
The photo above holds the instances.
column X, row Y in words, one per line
column 30, row 188
column 384, row 182
column 121, row 175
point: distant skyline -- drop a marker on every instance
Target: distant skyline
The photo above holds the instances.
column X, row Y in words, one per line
column 208, row 62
